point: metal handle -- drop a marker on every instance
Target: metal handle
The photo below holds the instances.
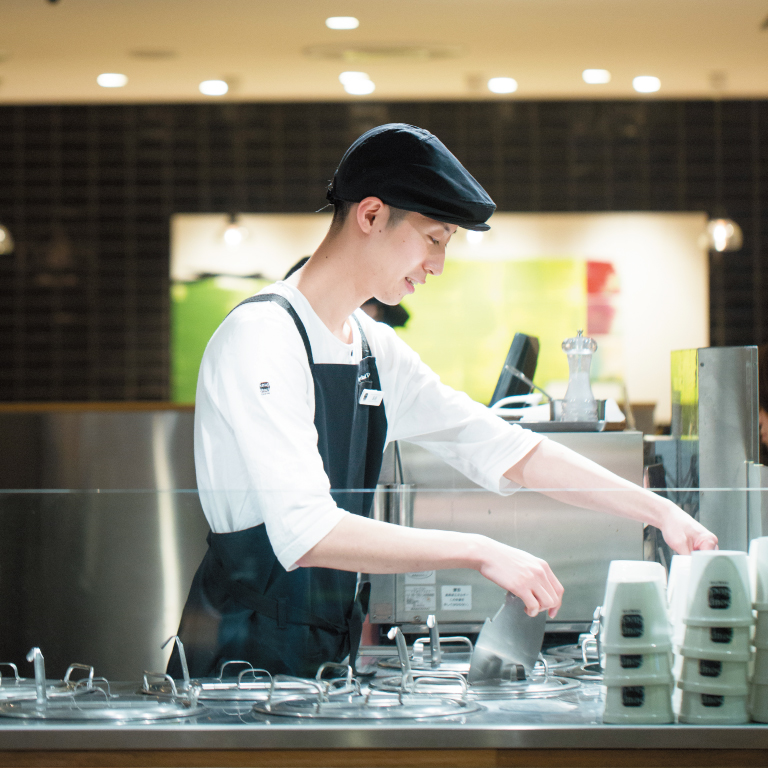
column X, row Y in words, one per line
column 90, row 690
column 233, row 662
column 182, row 658
column 36, row 656
column 402, row 654
column 13, row 667
column 442, row 679
column 252, row 671
column 83, row 668
column 277, row 679
column 594, row 631
column 586, row 643
column 339, row 684
column 160, row 676
column 435, row 652
column 418, row 645
column 543, row 660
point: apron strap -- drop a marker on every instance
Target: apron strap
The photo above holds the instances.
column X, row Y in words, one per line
column 288, row 307
column 277, row 610
column 363, row 341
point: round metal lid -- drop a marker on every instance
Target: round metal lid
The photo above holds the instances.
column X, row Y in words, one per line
column 375, row 706
column 215, row 689
column 24, row 688
column 93, row 706
column 459, row 662
column 535, row 687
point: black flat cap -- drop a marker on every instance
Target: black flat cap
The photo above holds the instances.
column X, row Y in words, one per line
column 410, row 168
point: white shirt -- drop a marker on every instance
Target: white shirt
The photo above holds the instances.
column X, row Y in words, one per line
column 256, row 453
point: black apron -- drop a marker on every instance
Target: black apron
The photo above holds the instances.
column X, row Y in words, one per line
column 243, row 604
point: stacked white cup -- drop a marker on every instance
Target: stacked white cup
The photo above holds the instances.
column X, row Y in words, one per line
column 715, row 650
column 636, row 645
column 758, row 565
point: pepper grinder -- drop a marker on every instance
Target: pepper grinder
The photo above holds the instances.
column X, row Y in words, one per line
column 579, row 404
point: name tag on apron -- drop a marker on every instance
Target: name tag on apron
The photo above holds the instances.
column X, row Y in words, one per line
column 371, row 397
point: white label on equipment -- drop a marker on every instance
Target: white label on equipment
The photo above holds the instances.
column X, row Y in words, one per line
column 420, row 598
column 371, row 397
column 421, row 577
column 456, row 598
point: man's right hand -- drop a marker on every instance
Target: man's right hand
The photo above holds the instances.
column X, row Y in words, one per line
column 522, row 574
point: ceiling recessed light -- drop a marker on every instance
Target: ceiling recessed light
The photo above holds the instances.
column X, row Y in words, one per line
column 596, row 76
column 360, row 87
column 502, row 85
column 111, row 80
column 646, row 84
column 342, row 22
column 357, row 83
column 213, row 87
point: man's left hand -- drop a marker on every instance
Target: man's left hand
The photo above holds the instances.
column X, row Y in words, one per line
column 683, row 534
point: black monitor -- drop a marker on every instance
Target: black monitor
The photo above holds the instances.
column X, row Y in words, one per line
column 522, row 355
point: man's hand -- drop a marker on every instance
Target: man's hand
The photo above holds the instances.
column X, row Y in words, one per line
column 683, row 534
column 524, row 575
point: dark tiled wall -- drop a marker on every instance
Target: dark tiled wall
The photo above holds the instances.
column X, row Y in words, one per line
column 87, row 192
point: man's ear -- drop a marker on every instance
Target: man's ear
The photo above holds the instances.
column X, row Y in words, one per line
column 370, row 212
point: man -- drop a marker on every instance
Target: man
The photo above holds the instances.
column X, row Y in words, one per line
column 298, row 394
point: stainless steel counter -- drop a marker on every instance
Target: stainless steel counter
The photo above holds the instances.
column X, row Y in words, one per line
column 571, row 721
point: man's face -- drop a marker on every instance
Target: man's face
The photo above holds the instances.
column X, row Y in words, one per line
column 406, row 253
column 764, row 426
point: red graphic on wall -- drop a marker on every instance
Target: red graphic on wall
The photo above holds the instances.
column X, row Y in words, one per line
column 602, row 297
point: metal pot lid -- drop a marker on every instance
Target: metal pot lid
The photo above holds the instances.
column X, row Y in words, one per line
column 97, row 706
column 501, row 689
column 459, row 662
column 215, row 689
column 251, row 684
column 25, row 689
column 370, row 706
column 450, row 662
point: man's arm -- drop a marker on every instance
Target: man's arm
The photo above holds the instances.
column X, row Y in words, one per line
column 551, row 466
column 357, row 544
column 369, row 546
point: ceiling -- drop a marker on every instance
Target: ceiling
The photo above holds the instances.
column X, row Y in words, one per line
column 437, row 49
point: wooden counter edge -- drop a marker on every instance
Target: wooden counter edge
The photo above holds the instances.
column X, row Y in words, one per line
column 380, row 758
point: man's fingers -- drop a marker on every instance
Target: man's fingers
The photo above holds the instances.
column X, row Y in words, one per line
column 532, row 606
column 555, row 582
column 706, row 542
column 684, row 548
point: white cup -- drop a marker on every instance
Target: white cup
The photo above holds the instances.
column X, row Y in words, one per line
column 761, row 630
column 635, row 582
column 758, row 702
column 713, row 709
column 638, row 704
column 638, row 669
column 713, row 676
column 723, row 643
column 758, row 571
column 636, row 620
column 677, row 595
column 719, row 591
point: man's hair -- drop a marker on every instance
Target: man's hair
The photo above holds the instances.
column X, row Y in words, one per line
column 341, row 209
